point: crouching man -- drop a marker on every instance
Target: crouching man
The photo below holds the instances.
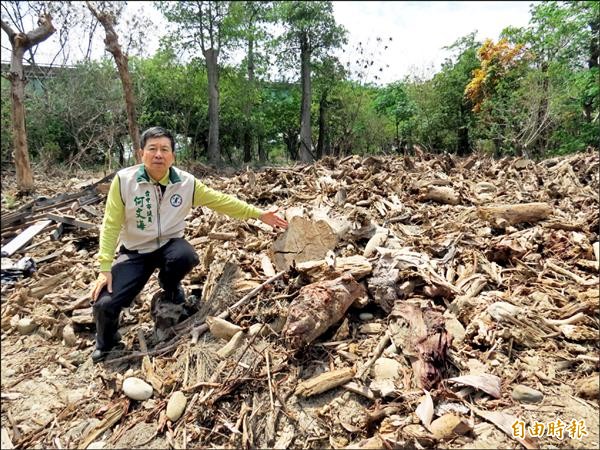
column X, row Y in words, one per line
column 146, row 207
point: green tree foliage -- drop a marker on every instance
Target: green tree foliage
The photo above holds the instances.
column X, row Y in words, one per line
column 174, row 95
column 532, row 92
column 549, row 105
column 79, row 116
column 393, row 102
column 279, row 116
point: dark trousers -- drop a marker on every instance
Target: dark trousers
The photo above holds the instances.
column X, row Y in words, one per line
column 130, row 273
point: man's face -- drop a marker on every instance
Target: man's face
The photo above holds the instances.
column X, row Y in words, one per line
column 158, row 156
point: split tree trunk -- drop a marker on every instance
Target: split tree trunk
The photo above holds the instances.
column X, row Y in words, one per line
column 318, row 306
column 20, row 43
column 304, row 240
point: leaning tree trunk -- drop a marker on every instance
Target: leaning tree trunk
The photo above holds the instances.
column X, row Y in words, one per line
column 20, row 43
column 305, row 128
column 111, row 42
column 214, row 155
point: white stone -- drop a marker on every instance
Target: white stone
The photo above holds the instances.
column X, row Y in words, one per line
column 370, row 328
column 365, row 316
column 69, row 337
column 456, row 329
column 384, row 387
column 386, row 368
column 6, row 442
column 75, row 395
column 14, row 320
column 137, row 389
column 176, row 406
column 97, row 445
column 26, row 325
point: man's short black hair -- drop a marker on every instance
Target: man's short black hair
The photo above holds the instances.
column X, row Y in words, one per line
column 156, row 132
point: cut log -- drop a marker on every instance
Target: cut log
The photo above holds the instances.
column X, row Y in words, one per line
column 319, row 270
column 512, row 214
column 84, row 316
column 318, row 306
column 304, row 240
column 222, row 236
column 422, row 336
column 47, row 285
column 24, row 238
column 324, row 382
column 441, row 194
column 221, row 328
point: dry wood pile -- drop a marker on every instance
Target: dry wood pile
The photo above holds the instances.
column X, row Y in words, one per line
column 426, row 301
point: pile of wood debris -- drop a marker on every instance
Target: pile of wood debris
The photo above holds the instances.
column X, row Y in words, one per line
column 425, row 301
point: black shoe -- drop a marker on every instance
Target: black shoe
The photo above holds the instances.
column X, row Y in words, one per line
column 176, row 296
column 98, row 355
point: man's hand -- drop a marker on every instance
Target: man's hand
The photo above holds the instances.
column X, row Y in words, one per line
column 270, row 218
column 104, row 279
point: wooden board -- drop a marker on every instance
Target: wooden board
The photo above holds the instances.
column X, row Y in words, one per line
column 72, row 221
column 24, row 237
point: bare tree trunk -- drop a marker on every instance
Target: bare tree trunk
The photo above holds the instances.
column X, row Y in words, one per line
column 112, row 45
column 592, row 63
column 214, row 155
column 290, row 142
column 248, row 138
column 463, row 133
column 542, row 140
column 20, row 43
column 262, row 154
column 322, row 143
column 17, row 91
column 305, row 128
column 121, row 153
